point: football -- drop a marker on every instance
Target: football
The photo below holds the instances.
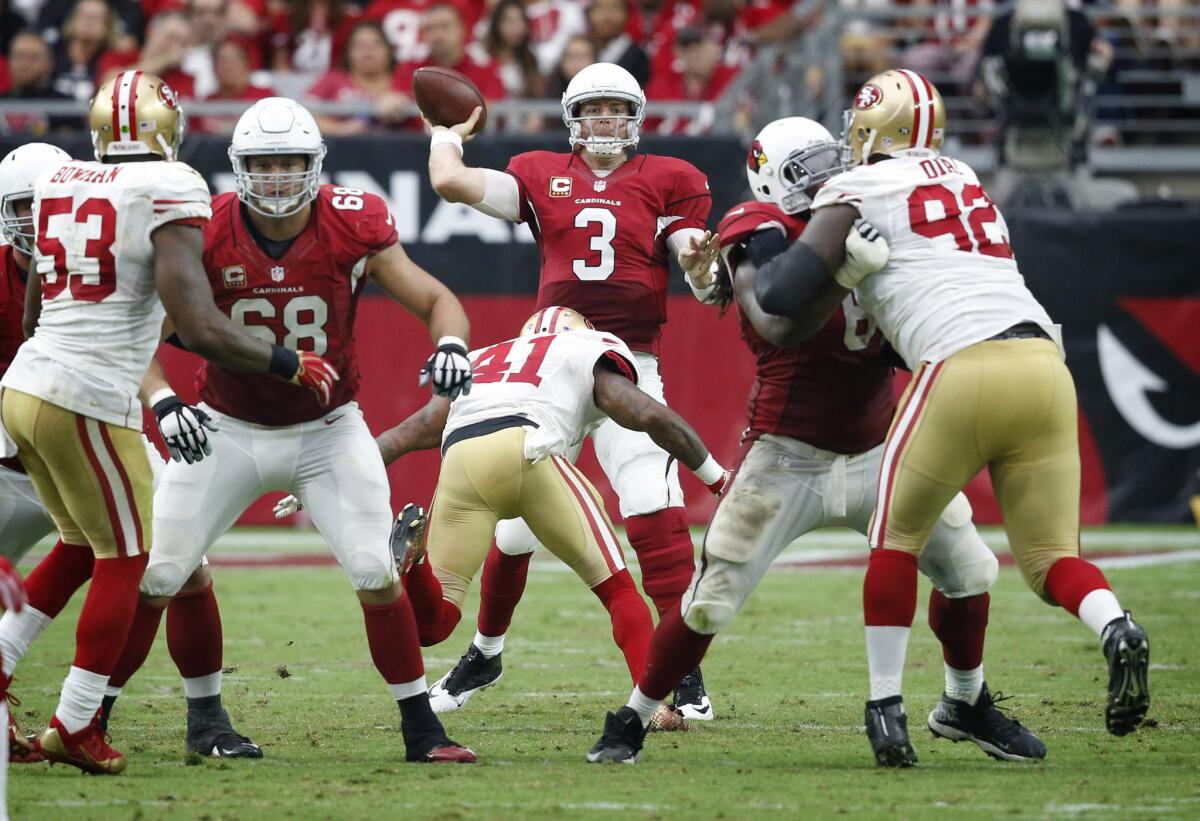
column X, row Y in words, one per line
column 446, row 97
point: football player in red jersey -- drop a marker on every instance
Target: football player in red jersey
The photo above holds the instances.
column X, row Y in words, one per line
column 818, row 412
column 288, row 258
column 605, row 220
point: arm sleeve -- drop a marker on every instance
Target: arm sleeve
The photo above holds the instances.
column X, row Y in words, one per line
column 786, row 284
column 501, row 197
column 518, row 170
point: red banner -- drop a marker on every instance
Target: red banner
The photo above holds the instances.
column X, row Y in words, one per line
column 706, row 368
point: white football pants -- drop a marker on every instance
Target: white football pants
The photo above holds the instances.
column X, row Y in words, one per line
column 331, row 464
column 786, row 488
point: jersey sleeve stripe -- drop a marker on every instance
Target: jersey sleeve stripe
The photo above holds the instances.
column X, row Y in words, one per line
column 685, row 199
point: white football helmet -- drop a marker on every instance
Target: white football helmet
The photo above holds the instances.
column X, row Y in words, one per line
column 604, row 81
column 19, row 169
column 788, row 161
column 277, row 125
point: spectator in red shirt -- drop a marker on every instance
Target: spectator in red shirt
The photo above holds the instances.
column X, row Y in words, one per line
column 608, row 24
column 231, row 66
column 312, row 36
column 443, row 31
column 368, row 77
column 735, row 25
column 401, row 21
column 696, row 75
column 166, row 45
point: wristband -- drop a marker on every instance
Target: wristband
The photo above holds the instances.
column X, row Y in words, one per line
column 452, row 342
column 446, row 137
column 159, row 395
column 703, row 294
column 709, row 471
column 284, row 362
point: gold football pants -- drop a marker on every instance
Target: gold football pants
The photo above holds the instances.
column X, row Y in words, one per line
column 93, row 477
column 487, row 478
column 1010, row 405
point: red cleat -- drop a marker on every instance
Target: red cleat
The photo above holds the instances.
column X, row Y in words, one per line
column 450, row 754
column 87, row 749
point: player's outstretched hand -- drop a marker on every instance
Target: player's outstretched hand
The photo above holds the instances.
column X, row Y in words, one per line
column 184, row 428
column 316, row 374
column 286, row 507
column 697, row 259
column 866, row 252
column 12, row 589
column 448, row 370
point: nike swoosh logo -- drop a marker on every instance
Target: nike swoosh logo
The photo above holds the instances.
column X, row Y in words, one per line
column 738, row 211
column 331, row 421
column 703, row 710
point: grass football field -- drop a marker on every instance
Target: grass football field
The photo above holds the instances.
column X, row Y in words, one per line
column 787, row 681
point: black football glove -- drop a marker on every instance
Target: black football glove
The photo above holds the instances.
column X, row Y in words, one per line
column 448, row 370
column 185, row 429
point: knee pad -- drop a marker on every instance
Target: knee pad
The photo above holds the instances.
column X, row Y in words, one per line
column 714, row 597
column 647, row 483
column 956, row 559
column 163, row 577
column 371, row 569
column 514, row 538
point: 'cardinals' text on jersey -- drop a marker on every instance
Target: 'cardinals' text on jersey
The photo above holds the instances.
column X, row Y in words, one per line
column 547, row 378
column 949, row 249
column 101, row 317
column 834, row 390
column 305, row 300
column 603, row 240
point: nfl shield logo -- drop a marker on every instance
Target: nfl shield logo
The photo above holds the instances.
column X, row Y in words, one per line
column 277, row 273
column 600, row 185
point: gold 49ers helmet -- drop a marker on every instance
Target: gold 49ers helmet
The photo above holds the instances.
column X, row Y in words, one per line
column 136, row 113
column 898, row 110
column 555, row 320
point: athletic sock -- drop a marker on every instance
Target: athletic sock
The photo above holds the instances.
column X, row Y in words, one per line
column 1071, row 581
column 490, row 646
column 395, row 647
column 140, row 639
column 666, row 554
column 436, row 618
column 889, row 604
column 961, row 626
column 195, row 640
column 82, row 693
column 500, row 588
column 54, row 581
column 632, row 625
column 643, row 705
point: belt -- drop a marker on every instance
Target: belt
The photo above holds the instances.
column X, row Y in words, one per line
column 1023, row 330
column 485, row 427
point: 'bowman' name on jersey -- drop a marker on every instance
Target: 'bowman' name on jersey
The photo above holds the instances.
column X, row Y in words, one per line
column 101, row 316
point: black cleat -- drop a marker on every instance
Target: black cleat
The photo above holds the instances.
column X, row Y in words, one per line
column 1001, row 737
column 209, row 732
column 1128, row 652
column 408, row 537
column 887, row 730
column 622, row 738
column 690, row 698
column 474, row 672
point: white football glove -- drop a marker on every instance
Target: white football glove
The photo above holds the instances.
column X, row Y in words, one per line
column 866, row 253
column 184, row 428
column 448, row 370
column 286, row 507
